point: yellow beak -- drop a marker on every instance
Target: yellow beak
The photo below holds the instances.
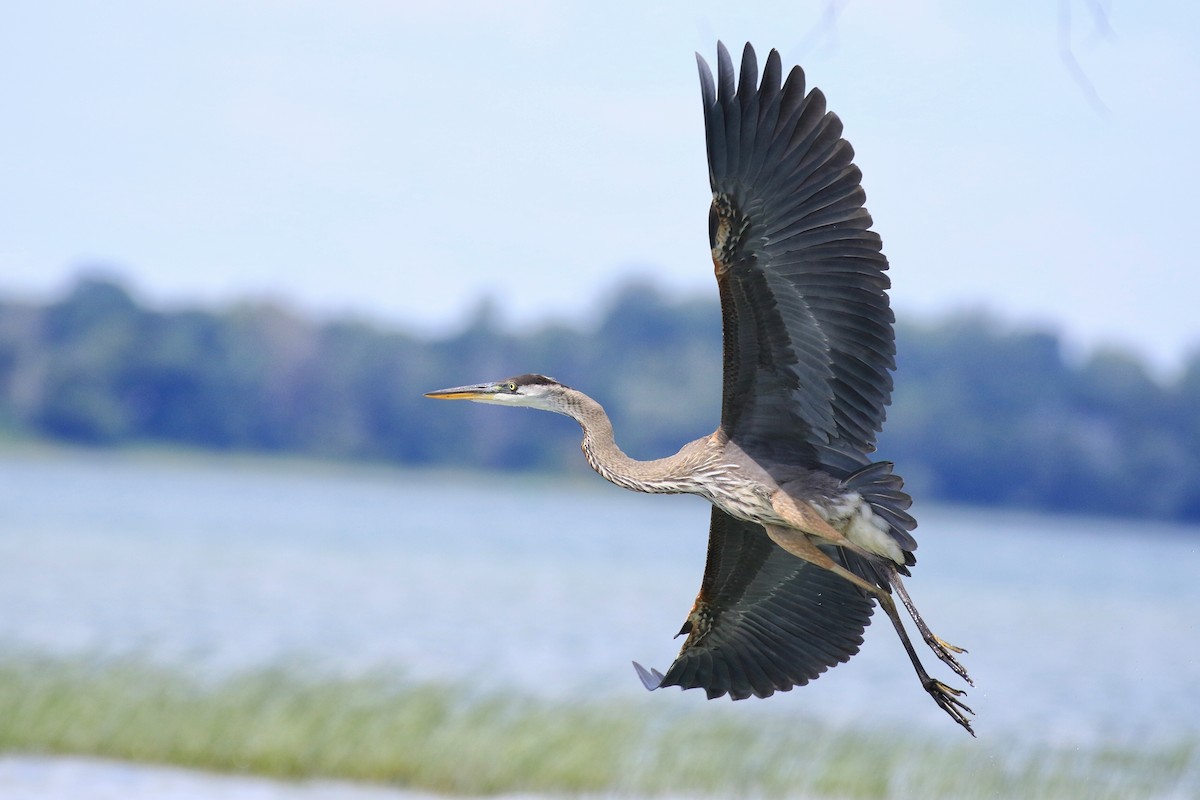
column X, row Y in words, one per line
column 464, row 392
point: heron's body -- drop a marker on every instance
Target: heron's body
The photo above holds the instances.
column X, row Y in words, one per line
column 731, row 479
column 807, row 530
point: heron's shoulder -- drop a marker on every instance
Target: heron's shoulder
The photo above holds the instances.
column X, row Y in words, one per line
column 708, row 449
column 803, row 483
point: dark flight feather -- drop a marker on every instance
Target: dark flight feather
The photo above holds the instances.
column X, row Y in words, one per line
column 809, row 346
column 809, row 351
column 764, row 620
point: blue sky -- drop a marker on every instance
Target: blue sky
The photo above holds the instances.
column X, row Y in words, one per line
column 400, row 160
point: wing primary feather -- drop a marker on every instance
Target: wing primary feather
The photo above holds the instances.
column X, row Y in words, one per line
column 652, row 679
column 748, row 78
column 772, row 71
column 708, row 90
column 725, row 85
column 793, row 98
column 720, row 681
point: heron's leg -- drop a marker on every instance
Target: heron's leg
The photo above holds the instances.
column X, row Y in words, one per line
column 800, row 545
column 941, row 648
column 804, row 517
column 945, row 696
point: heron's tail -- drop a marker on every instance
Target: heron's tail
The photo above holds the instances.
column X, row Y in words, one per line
column 884, row 490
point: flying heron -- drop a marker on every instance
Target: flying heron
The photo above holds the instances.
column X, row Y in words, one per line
column 807, row 531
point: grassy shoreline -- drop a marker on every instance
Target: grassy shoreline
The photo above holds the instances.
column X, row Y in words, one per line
column 453, row 740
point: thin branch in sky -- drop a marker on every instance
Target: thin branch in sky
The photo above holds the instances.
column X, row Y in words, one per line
column 1100, row 11
column 1066, row 52
column 824, row 31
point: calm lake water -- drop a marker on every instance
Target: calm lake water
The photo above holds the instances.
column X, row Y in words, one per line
column 1080, row 631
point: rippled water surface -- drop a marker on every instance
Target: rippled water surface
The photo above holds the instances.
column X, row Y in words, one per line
column 1078, row 630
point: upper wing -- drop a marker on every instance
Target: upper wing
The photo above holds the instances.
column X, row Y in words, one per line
column 764, row 620
column 809, row 346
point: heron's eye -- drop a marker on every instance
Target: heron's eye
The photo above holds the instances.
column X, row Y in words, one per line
column 512, row 387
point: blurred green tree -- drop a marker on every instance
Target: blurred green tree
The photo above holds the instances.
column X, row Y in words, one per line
column 983, row 412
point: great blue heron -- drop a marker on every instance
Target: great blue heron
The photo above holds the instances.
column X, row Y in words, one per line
column 806, row 530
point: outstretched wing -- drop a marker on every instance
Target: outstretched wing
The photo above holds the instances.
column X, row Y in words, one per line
column 764, row 620
column 809, row 346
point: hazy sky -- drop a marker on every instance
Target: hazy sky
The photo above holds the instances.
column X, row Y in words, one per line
column 402, row 159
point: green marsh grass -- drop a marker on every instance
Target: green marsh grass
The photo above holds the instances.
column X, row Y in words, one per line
column 452, row 740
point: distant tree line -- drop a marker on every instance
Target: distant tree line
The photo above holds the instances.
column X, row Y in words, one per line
column 982, row 413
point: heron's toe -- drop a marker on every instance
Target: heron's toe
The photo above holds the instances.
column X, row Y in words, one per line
column 947, row 699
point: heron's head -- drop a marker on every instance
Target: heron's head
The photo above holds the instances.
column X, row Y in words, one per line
column 531, row 391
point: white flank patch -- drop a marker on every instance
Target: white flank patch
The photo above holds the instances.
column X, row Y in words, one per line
column 853, row 516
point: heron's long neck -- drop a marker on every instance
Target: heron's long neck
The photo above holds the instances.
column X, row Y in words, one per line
column 660, row 476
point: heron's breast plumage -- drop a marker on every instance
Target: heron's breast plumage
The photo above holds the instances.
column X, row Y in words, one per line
column 750, row 498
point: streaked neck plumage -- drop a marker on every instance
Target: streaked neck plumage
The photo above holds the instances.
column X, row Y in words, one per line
column 672, row 475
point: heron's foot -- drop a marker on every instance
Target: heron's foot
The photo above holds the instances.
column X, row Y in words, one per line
column 947, row 699
column 946, row 651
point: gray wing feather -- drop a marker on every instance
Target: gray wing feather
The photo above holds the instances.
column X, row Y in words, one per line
column 809, row 346
column 764, row 620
